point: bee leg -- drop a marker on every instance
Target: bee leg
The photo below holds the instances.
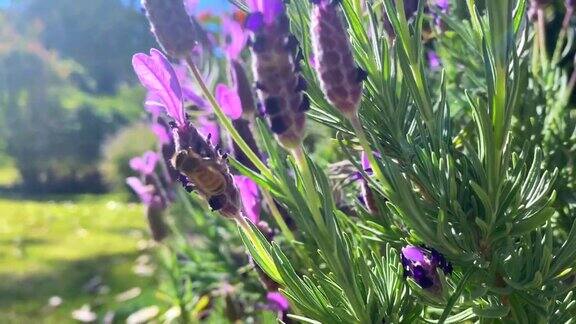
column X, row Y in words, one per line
column 224, row 156
column 189, row 187
column 216, row 202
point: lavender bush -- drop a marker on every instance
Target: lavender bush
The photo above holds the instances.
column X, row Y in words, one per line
column 453, row 196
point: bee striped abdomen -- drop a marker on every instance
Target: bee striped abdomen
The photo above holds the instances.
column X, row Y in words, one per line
column 209, row 180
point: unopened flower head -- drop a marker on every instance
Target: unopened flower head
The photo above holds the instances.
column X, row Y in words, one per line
column 421, row 263
column 339, row 76
column 171, row 25
column 280, row 86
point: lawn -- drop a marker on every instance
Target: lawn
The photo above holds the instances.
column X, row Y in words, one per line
column 59, row 254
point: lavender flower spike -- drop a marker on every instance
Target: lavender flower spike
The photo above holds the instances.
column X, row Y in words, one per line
column 421, row 263
column 200, row 165
column 276, row 58
column 340, row 78
column 171, row 25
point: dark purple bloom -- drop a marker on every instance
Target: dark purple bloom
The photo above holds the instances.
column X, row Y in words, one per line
column 277, row 56
column 340, row 78
column 410, row 9
column 421, row 263
column 173, row 28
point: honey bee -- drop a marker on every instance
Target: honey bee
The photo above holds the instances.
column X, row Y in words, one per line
column 204, row 174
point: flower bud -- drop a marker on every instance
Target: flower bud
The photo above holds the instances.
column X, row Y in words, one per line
column 171, row 26
column 244, row 90
column 154, row 214
column 421, row 263
column 340, row 78
column 276, row 64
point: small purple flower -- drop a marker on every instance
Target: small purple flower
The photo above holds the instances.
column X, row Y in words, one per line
column 159, row 78
column 433, row 60
column 229, row 101
column 250, row 197
column 144, row 192
column 421, row 263
column 444, row 5
column 144, row 164
column 277, row 301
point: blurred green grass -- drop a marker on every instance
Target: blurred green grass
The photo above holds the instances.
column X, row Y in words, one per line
column 83, row 249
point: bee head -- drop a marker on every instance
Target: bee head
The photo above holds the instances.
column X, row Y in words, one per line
column 184, row 161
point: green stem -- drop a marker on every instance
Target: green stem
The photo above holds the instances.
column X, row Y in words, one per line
column 355, row 121
column 542, row 37
column 309, row 185
column 277, row 216
column 562, row 36
column 226, row 122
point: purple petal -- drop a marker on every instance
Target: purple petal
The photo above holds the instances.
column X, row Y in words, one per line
column 278, row 301
column 414, row 254
column 153, row 104
column 162, row 134
column 254, row 21
column 189, row 93
column 271, row 10
column 144, row 164
column 235, row 38
column 250, row 197
column 157, row 75
column 229, row 101
column 206, row 128
column 365, row 161
column 444, row 5
column 253, row 5
column 144, row 192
